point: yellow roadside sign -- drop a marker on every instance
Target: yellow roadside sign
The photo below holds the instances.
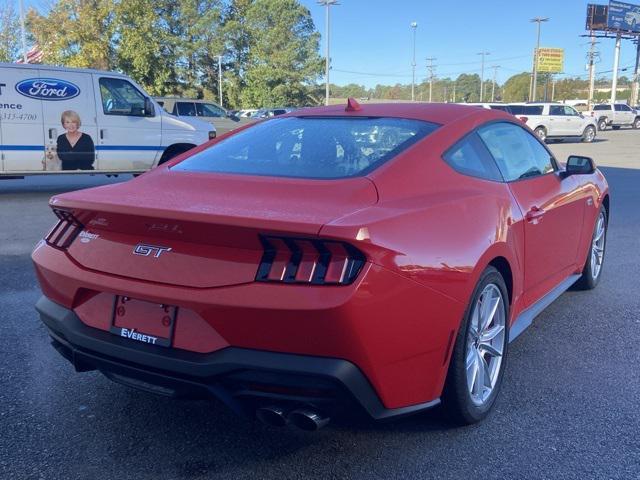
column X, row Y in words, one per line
column 551, row 60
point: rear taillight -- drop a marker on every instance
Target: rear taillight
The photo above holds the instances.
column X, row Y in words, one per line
column 524, row 119
column 65, row 231
column 310, row 261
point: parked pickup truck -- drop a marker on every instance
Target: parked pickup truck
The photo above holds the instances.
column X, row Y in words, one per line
column 615, row 116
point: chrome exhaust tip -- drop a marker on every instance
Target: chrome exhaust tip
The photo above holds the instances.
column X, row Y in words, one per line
column 308, row 419
column 272, row 415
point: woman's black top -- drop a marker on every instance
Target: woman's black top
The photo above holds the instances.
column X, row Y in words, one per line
column 79, row 157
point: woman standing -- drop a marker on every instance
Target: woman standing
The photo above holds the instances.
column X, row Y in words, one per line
column 75, row 149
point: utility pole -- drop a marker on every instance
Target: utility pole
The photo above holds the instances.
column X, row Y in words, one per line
column 430, row 67
column 327, row 4
column 616, row 63
column 493, row 85
column 414, row 25
column 592, row 56
column 636, row 75
column 553, row 86
column 22, row 33
column 220, row 80
column 454, row 93
column 483, row 54
column 537, row 20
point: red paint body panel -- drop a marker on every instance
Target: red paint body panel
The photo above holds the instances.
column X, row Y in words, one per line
column 427, row 233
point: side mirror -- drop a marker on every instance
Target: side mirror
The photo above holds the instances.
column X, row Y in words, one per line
column 577, row 165
column 233, row 117
column 149, row 110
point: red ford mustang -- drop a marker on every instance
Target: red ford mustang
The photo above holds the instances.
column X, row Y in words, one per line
column 380, row 257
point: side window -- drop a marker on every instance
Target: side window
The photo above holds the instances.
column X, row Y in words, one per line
column 617, row 107
column 120, row 97
column 470, row 157
column 186, row 109
column 570, row 111
column 209, row 110
column 556, row 110
column 517, row 152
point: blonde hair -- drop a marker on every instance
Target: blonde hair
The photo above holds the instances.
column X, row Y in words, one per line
column 70, row 115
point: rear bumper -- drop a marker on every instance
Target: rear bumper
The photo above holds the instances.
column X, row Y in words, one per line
column 242, row 378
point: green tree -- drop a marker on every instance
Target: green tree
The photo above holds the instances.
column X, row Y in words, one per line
column 516, row 88
column 76, row 33
column 9, row 32
column 283, row 62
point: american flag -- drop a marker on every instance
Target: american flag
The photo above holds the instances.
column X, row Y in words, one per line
column 34, row 55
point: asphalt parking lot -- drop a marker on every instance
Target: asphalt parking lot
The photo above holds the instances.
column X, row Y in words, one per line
column 568, row 407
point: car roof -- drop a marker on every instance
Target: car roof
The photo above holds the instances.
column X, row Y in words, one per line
column 440, row 113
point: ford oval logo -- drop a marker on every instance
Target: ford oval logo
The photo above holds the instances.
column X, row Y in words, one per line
column 47, row 89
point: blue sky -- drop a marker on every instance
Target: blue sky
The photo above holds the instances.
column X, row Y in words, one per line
column 374, row 36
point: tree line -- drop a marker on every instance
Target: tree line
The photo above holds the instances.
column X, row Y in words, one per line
column 268, row 51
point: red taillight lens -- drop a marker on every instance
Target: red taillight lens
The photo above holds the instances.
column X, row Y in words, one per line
column 315, row 262
column 65, row 231
column 524, row 119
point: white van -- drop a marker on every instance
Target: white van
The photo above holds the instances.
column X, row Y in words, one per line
column 126, row 131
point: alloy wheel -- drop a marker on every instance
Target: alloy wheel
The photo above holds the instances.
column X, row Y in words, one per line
column 485, row 344
column 597, row 246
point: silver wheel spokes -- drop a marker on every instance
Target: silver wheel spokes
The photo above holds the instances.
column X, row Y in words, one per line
column 485, row 344
column 597, row 247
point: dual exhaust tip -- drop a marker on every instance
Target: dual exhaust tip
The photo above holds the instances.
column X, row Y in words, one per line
column 307, row 419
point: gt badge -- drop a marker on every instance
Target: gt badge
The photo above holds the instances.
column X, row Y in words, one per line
column 154, row 250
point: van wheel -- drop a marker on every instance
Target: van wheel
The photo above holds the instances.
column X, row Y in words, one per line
column 636, row 123
column 173, row 151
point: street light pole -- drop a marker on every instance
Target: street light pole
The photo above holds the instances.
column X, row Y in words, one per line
column 537, row 20
column 482, row 75
column 430, row 67
column 220, row 80
column 493, row 85
column 327, row 4
column 22, row 33
column 414, row 25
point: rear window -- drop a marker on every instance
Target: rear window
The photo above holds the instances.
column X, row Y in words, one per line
column 310, row 147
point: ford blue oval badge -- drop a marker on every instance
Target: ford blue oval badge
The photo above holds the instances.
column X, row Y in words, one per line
column 47, row 89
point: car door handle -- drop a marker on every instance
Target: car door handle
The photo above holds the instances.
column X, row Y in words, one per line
column 53, row 133
column 534, row 214
column 102, row 133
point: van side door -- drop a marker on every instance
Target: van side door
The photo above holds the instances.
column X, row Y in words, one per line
column 22, row 134
column 75, row 99
column 129, row 138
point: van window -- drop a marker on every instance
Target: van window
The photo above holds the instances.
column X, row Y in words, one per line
column 209, row 110
column 119, row 97
column 185, row 109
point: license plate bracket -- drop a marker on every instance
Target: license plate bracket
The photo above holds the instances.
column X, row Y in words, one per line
column 142, row 321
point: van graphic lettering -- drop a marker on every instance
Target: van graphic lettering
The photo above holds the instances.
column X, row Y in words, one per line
column 47, row 89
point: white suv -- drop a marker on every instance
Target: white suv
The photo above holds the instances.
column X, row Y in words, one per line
column 555, row 120
column 615, row 116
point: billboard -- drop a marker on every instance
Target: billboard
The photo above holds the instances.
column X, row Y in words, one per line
column 551, row 60
column 596, row 17
column 623, row 17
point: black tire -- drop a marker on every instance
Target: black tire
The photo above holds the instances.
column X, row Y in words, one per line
column 602, row 124
column 541, row 132
column 589, row 134
column 587, row 280
column 636, row 123
column 173, row 152
column 456, row 398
